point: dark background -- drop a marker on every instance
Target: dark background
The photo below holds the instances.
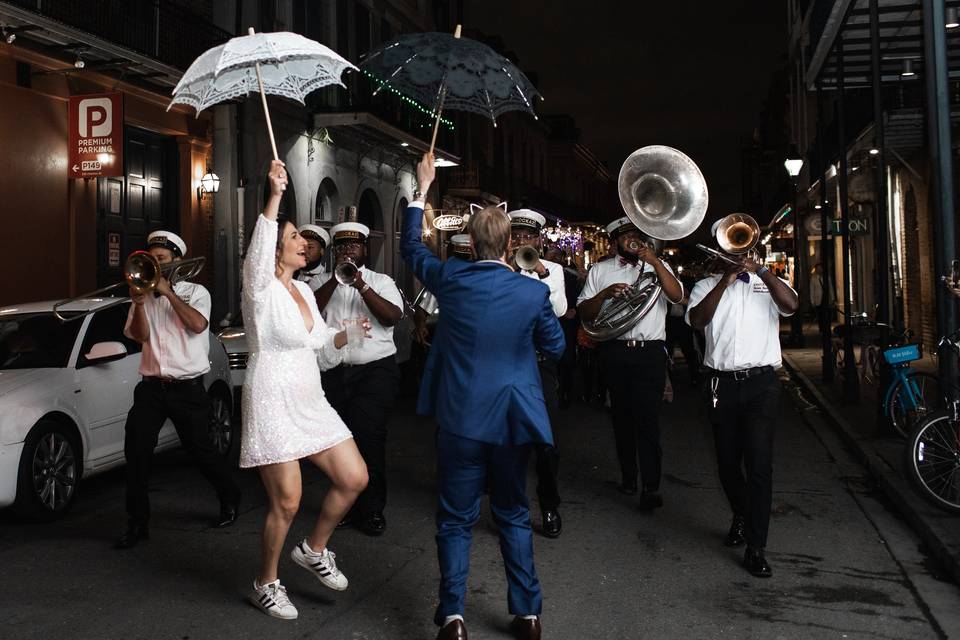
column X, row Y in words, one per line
column 690, row 74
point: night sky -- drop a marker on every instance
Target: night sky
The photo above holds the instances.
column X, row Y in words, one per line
column 691, row 74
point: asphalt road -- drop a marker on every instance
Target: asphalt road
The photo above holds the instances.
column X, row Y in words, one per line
column 844, row 565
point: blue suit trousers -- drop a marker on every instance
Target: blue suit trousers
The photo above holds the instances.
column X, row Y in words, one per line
column 464, row 468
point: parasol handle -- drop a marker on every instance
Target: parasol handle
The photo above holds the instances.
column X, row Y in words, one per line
column 266, row 110
column 443, row 94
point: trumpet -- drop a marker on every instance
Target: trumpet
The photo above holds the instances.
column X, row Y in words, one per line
column 141, row 273
column 346, row 272
column 527, row 258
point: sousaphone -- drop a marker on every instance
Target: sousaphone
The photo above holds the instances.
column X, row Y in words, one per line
column 664, row 194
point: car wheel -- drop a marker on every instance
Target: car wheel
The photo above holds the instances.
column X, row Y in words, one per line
column 50, row 468
column 223, row 432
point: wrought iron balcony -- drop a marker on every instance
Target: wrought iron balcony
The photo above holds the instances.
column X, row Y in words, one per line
column 158, row 29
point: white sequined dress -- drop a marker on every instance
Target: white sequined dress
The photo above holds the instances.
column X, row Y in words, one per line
column 286, row 415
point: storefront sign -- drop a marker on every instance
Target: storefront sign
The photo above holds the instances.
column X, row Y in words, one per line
column 113, row 250
column 96, row 135
column 448, row 223
column 856, row 226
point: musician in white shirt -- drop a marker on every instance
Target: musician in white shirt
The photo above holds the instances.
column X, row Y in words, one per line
column 172, row 327
column 363, row 389
column 634, row 363
column 526, row 226
column 317, row 241
column 739, row 312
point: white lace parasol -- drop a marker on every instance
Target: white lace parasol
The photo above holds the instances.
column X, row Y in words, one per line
column 281, row 64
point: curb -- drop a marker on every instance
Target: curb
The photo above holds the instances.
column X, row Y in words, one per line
column 896, row 488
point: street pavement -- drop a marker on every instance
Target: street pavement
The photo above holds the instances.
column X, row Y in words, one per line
column 844, row 565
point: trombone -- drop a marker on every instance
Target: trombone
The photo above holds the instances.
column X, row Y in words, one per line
column 141, row 272
column 736, row 234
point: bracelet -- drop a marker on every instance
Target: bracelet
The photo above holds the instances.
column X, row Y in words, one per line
column 365, row 288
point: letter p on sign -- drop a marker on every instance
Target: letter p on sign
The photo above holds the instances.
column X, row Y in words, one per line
column 96, row 118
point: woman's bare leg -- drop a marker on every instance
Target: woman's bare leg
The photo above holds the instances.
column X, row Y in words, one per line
column 348, row 476
column 283, row 485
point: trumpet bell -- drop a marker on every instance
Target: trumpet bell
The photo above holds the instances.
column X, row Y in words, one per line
column 663, row 192
column 527, row 258
column 346, row 273
column 738, row 233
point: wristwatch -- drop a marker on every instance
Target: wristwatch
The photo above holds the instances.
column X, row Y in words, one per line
column 365, row 288
column 417, row 194
column 545, row 274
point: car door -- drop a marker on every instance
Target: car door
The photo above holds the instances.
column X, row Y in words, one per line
column 104, row 391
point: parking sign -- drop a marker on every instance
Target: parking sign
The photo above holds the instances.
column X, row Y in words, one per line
column 96, row 135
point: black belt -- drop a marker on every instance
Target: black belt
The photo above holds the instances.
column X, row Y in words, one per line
column 172, row 381
column 348, row 365
column 636, row 344
column 742, row 374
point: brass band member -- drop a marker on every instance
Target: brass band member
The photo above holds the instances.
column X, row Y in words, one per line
column 525, row 228
column 739, row 313
column 317, row 242
column 635, row 364
column 364, row 388
column 172, row 327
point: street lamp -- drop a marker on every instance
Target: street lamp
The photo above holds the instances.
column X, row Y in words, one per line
column 793, row 167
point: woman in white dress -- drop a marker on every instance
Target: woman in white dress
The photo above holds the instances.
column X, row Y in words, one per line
column 286, row 416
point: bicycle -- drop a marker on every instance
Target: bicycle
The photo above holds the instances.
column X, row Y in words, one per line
column 868, row 334
column 912, row 394
column 933, row 451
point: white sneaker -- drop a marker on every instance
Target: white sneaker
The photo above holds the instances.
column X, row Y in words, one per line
column 322, row 565
column 272, row 599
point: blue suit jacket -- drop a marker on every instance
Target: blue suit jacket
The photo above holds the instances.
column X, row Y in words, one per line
column 481, row 379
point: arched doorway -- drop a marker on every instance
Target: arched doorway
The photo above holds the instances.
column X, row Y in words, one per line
column 370, row 213
column 328, row 203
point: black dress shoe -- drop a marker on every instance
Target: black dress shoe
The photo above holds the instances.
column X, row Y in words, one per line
column 650, row 500
column 134, row 534
column 525, row 628
column 456, row 630
column 373, row 524
column 756, row 564
column 229, row 512
column 735, row 537
column 552, row 524
column 628, row 488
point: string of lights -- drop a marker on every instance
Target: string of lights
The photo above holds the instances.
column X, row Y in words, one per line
column 410, row 101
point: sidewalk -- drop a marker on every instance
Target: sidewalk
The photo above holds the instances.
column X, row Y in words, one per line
column 872, row 441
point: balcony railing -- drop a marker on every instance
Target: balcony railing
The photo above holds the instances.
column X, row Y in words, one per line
column 155, row 28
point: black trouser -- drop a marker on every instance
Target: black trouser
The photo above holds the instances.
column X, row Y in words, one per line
column 364, row 395
column 186, row 403
column 743, row 426
column 679, row 332
column 548, row 456
column 568, row 361
column 636, row 377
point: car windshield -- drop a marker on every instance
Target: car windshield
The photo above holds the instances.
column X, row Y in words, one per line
column 36, row 340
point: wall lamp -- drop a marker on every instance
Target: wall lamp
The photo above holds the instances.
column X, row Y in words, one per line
column 209, row 183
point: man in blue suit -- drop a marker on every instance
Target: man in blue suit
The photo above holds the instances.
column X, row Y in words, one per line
column 481, row 384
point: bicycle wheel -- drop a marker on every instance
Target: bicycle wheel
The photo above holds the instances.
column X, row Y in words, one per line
column 933, row 460
column 907, row 409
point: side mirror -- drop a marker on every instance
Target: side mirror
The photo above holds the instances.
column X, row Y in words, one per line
column 103, row 352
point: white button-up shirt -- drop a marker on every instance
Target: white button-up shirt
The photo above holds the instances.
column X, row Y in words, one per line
column 315, row 278
column 346, row 303
column 603, row 274
column 554, row 282
column 745, row 330
column 173, row 351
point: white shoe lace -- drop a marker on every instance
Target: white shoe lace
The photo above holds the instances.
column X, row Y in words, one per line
column 330, row 559
column 278, row 593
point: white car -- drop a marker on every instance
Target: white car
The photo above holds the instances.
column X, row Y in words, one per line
column 65, row 390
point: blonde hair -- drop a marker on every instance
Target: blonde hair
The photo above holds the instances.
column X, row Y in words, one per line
column 489, row 229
